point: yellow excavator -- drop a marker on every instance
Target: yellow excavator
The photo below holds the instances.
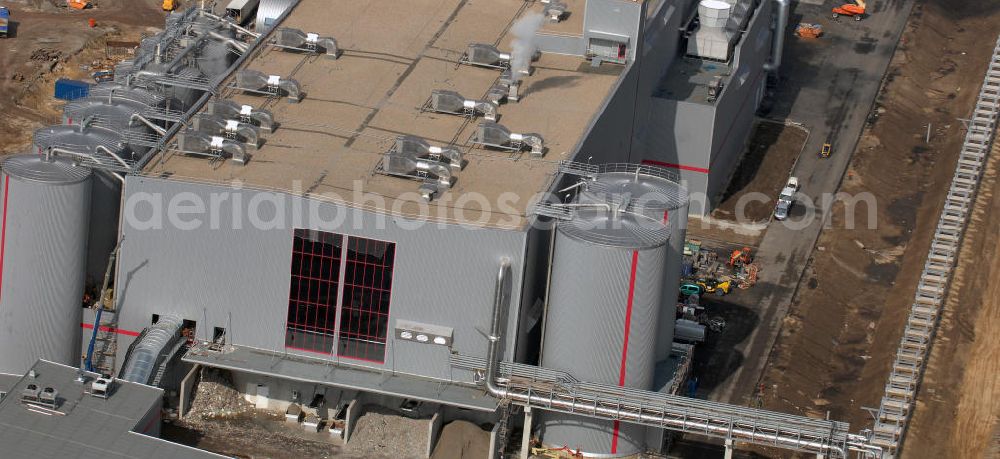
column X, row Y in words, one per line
column 169, row 5
column 856, row 9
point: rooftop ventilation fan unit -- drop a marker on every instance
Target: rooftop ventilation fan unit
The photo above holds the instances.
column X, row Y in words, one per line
column 216, row 147
column 290, row 39
column 255, row 82
column 497, row 136
column 555, row 10
column 437, row 177
column 451, row 102
column 247, row 134
column 418, row 148
column 484, row 55
column 229, row 109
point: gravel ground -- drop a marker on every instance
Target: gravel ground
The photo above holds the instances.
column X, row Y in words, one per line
column 382, row 433
column 215, row 398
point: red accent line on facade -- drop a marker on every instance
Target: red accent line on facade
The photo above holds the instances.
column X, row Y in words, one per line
column 106, row 328
column 3, row 231
column 628, row 326
column 666, row 217
column 653, row 162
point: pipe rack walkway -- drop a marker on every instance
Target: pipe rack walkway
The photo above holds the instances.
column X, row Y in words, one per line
column 553, row 390
column 911, row 357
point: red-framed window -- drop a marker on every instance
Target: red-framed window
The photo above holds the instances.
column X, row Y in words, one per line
column 312, row 296
column 318, row 261
column 364, row 324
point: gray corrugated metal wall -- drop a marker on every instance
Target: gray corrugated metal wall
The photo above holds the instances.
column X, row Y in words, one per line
column 46, row 209
column 585, row 333
column 444, row 275
column 708, row 137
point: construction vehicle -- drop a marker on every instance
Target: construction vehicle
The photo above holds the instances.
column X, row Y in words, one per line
column 4, row 21
column 169, row 5
column 825, row 152
column 740, row 258
column 856, row 9
column 78, row 4
column 807, row 30
column 715, row 286
column 688, row 289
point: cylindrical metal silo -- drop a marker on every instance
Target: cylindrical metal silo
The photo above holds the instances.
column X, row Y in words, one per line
column 43, row 252
column 655, row 193
column 605, row 297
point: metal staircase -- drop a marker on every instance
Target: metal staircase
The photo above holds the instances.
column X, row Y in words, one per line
column 106, row 347
column 911, row 357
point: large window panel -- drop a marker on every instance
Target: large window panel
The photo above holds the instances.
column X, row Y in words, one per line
column 364, row 324
column 312, row 296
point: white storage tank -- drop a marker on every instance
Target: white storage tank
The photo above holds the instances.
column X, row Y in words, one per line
column 656, row 193
column 43, row 252
column 601, row 323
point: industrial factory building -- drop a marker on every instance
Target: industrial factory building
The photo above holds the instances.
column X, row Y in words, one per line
column 447, row 205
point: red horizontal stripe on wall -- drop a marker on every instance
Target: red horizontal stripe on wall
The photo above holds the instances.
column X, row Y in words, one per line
column 682, row 167
column 110, row 329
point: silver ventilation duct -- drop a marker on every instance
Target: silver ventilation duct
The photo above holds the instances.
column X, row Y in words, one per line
column 296, row 40
column 231, row 129
column 257, row 82
column 229, row 109
column 437, row 177
column 147, row 353
column 554, row 10
column 484, row 55
column 451, row 102
column 417, row 148
column 199, row 143
column 494, row 135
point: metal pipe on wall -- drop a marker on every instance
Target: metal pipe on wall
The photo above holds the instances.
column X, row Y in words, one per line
column 778, row 44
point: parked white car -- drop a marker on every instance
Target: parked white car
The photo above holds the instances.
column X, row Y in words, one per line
column 786, row 198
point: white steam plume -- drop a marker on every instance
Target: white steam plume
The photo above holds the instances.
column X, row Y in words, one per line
column 523, row 46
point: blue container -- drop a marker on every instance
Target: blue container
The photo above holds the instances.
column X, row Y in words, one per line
column 67, row 89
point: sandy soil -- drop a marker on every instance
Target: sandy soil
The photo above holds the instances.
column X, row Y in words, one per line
column 462, row 440
column 60, row 41
column 838, row 341
column 958, row 404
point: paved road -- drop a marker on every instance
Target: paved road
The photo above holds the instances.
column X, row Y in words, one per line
column 829, row 87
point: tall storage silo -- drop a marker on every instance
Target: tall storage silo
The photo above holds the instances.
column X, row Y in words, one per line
column 601, row 323
column 655, row 193
column 43, row 252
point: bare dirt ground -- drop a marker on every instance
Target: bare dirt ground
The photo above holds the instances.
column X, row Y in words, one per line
column 47, row 43
column 839, row 338
column 764, row 169
column 958, row 404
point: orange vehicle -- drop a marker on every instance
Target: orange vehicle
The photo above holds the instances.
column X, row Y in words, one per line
column 856, row 9
column 78, row 4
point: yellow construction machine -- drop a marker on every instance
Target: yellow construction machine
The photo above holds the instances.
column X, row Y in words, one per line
column 169, row 5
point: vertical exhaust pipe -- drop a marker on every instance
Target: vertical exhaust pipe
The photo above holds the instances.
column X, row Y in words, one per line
column 778, row 45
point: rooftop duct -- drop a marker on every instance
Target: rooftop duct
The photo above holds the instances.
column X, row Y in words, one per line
column 494, row 135
column 484, row 55
column 720, row 23
column 451, row 102
column 247, row 134
column 554, row 10
column 256, row 82
column 417, row 148
column 216, row 147
column 437, row 177
column 229, row 109
column 296, row 40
